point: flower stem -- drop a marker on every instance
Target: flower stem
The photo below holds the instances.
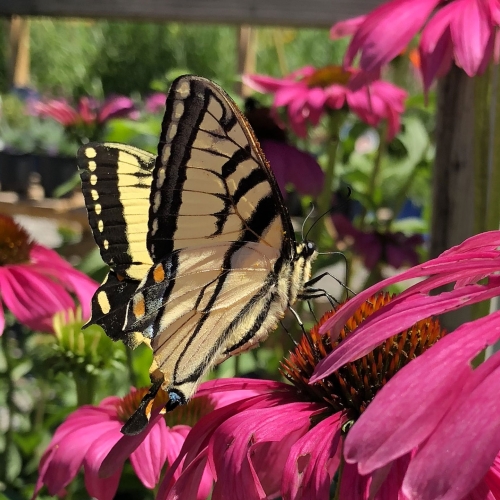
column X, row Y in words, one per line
column 85, row 388
column 130, row 367
column 9, row 397
column 372, row 185
column 324, row 199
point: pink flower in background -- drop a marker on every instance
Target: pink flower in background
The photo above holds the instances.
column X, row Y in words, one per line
column 438, row 408
column 91, row 437
column 309, row 92
column 462, row 31
column 35, row 282
column 155, row 103
column 89, row 111
column 375, row 247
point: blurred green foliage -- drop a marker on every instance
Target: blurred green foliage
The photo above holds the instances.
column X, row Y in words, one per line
column 74, row 57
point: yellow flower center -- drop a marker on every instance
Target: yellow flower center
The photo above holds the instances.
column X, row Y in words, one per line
column 15, row 242
column 328, row 75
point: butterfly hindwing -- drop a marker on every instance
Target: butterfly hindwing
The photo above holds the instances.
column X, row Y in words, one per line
column 116, row 182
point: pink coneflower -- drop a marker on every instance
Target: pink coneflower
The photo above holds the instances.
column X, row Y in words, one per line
column 35, row 282
column 462, row 31
column 395, row 249
column 439, row 408
column 309, row 92
column 287, row 440
column 155, row 103
column 89, row 111
column 91, row 438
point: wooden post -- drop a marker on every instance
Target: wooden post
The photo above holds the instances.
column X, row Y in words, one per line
column 246, row 56
column 453, row 176
column 19, row 52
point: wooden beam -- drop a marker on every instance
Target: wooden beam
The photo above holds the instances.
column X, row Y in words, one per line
column 19, row 52
column 313, row 13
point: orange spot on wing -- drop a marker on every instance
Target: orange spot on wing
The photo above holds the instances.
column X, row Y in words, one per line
column 159, row 273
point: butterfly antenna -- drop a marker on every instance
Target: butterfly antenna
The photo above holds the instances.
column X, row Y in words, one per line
column 335, row 207
column 305, row 220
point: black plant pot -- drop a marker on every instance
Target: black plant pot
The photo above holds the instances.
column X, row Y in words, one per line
column 54, row 171
column 16, row 171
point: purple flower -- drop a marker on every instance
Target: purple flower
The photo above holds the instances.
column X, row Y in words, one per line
column 395, row 249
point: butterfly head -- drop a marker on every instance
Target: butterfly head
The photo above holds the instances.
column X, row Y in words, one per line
column 306, row 250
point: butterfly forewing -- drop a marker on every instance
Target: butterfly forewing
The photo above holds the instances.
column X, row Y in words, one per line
column 116, row 182
column 211, row 182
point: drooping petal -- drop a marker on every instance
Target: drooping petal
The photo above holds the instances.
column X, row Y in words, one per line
column 460, row 452
column 117, row 107
column 380, row 37
column 50, row 263
column 67, row 450
column 98, row 487
column 472, row 34
column 2, row 316
column 234, row 443
column 306, row 473
column 425, row 390
column 436, row 46
column 265, row 84
column 149, row 457
column 32, row 297
column 345, row 28
column 397, row 316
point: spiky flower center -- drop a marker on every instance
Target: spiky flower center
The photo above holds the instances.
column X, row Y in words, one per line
column 328, row 75
column 15, row 242
column 353, row 386
column 187, row 414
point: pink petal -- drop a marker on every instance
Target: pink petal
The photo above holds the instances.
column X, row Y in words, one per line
column 425, row 389
column 397, row 316
column 306, row 473
column 150, row 456
column 177, row 436
column 380, row 37
column 436, row 46
column 477, row 256
column 233, row 444
column 124, row 447
column 192, row 485
column 265, row 84
column 2, row 317
column 102, row 489
column 472, row 429
column 472, row 34
column 32, row 297
column 347, row 27
column 316, row 99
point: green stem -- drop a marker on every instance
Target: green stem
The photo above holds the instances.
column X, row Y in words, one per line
column 324, row 199
column 9, row 433
column 130, row 367
column 85, row 388
column 372, row 185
